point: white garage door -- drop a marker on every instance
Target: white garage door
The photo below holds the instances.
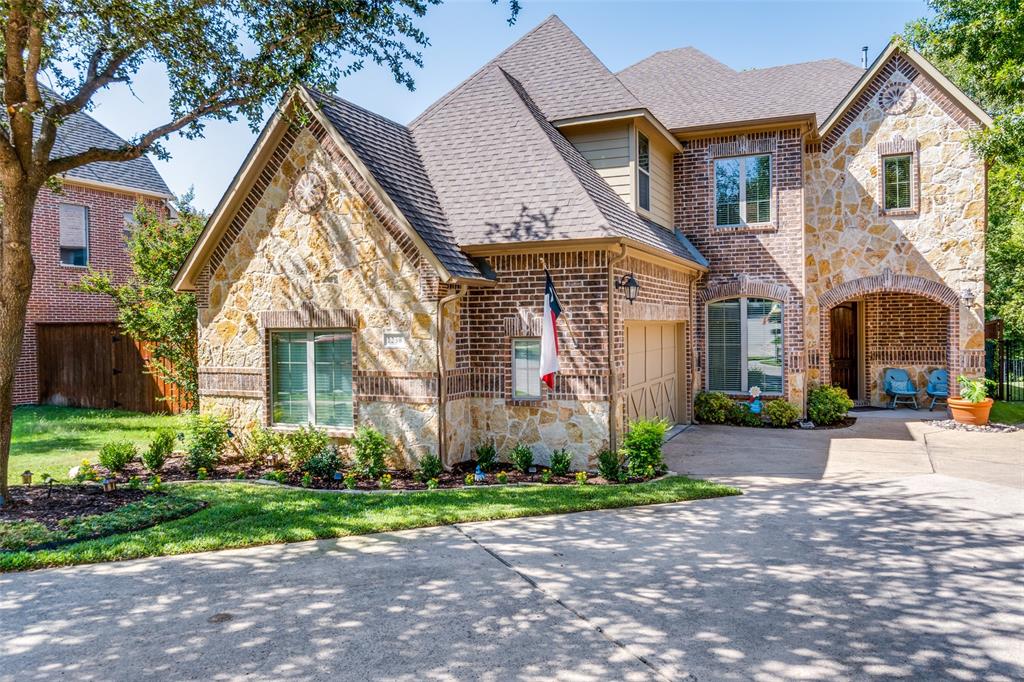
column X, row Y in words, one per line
column 652, row 371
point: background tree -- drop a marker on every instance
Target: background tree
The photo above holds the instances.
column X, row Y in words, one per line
column 148, row 308
column 223, row 59
column 979, row 44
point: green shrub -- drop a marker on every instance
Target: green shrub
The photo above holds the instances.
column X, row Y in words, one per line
column 502, row 477
column 781, row 413
column 712, row 407
column 278, row 476
column 486, row 456
column 971, row 390
column 307, row 480
column 545, row 476
column 470, row 479
column 351, row 480
column 116, row 455
column 160, row 448
column 324, row 463
column 828, row 404
column 609, row 465
column 208, row 434
column 370, row 448
column 740, row 415
column 581, row 478
column 521, row 457
column 642, row 445
column 264, row 447
column 303, row 444
column 430, row 467
column 432, row 484
column 561, row 460
column 201, row 474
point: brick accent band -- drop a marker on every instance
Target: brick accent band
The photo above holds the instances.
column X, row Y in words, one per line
column 888, row 281
column 243, row 382
column 743, row 286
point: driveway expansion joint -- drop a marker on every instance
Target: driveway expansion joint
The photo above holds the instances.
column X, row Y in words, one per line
column 575, row 613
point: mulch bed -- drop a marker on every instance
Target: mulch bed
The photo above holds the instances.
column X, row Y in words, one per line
column 33, row 503
column 846, row 423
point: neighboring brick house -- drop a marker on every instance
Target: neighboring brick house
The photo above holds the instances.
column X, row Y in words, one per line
column 361, row 271
column 81, row 226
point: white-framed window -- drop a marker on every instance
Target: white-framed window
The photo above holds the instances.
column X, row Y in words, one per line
column 643, row 174
column 896, row 181
column 526, row 369
column 311, row 378
column 743, row 190
column 744, row 341
column 129, row 223
column 74, row 235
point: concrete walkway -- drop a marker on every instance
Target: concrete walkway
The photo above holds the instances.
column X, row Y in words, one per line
column 855, row 564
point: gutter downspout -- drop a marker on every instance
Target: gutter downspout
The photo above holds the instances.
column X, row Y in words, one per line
column 442, row 384
column 613, row 393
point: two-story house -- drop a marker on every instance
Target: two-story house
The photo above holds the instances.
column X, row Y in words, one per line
column 83, row 224
column 783, row 227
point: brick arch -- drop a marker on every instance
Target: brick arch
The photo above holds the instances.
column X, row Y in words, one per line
column 743, row 286
column 889, row 282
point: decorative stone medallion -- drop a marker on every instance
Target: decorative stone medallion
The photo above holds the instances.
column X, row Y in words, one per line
column 896, row 98
column 308, row 192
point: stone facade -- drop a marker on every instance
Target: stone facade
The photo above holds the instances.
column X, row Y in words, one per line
column 935, row 250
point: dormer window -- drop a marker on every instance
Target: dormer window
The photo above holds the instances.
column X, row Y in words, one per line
column 643, row 176
column 743, row 190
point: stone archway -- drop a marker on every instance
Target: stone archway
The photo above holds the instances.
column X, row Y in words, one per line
column 888, row 282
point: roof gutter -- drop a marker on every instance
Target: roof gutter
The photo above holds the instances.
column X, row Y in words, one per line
column 626, row 115
column 114, row 187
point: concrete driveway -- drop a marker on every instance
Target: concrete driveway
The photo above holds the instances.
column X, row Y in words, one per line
column 860, row 574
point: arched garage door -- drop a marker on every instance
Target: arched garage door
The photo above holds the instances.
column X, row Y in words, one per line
column 653, row 370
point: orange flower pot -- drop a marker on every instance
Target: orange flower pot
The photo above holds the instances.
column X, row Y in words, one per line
column 967, row 412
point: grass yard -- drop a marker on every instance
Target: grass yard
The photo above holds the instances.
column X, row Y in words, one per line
column 1007, row 413
column 54, row 439
column 245, row 515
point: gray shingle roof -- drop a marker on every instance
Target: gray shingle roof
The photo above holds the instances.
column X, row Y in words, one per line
column 685, row 88
column 80, row 132
column 559, row 71
column 389, row 152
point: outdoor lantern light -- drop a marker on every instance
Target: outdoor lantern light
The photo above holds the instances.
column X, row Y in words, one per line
column 26, row 477
column 967, row 296
column 109, row 485
column 629, row 283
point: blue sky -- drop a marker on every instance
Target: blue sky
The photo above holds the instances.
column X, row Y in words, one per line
column 465, row 34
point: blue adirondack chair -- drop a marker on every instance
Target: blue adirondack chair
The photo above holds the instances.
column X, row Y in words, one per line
column 899, row 386
column 938, row 387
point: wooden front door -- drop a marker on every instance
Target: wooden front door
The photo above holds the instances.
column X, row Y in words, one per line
column 843, row 354
column 652, row 371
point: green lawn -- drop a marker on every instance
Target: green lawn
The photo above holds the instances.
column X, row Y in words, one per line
column 53, row 439
column 1007, row 413
column 245, row 515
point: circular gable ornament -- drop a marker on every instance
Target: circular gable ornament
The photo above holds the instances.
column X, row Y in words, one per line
column 308, row 192
column 896, row 98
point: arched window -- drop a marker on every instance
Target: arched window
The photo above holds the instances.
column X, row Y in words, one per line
column 744, row 338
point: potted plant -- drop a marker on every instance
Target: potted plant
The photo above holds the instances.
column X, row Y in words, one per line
column 973, row 405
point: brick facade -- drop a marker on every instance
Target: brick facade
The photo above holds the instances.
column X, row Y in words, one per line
column 52, row 300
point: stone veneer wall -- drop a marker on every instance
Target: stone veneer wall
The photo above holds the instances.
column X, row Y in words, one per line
column 764, row 259
column 937, row 249
column 339, row 266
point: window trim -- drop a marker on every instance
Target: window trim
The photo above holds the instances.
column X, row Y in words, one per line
column 742, row 158
column 744, row 350
column 85, row 238
column 512, row 367
column 310, row 379
column 911, row 183
column 646, row 172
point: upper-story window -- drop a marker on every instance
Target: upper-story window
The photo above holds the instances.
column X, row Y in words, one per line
column 896, row 181
column 743, row 190
column 74, row 235
column 643, row 176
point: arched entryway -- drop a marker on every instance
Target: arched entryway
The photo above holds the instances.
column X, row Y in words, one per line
column 887, row 320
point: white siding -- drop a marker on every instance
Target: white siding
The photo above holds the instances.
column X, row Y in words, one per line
column 607, row 147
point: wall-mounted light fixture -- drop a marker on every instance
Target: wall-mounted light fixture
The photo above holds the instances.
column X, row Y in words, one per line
column 967, row 296
column 629, row 283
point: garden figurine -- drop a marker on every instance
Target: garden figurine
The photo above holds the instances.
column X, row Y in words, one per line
column 479, row 474
column 755, row 400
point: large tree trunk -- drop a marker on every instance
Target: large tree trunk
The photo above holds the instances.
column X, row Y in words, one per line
column 16, row 269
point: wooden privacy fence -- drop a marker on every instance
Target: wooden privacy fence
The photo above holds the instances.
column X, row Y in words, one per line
column 95, row 365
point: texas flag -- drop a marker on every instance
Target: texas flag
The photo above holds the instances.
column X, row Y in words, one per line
column 549, row 333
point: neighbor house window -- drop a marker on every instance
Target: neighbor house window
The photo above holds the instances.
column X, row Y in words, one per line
column 526, row 369
column 643, row 178
column 129, row 224
column 897, row 181
column 745, row 345
column 74, row 235
column 311, row 378
column 743, row 189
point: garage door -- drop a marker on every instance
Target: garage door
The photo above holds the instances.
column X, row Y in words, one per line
column 652, row 371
